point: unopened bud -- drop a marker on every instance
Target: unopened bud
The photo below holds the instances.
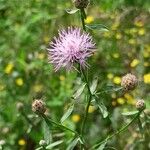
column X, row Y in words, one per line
column 20, row 106
column 129, row 82
column 81, row 3
column 38, row 106
column 42, row 143
column 140, row 104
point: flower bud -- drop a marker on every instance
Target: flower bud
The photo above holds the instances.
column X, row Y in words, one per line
column 42, row 143
column 129, row 82
column 38, row 107
column 19, row 106
column 81, row 3
column 140, row 104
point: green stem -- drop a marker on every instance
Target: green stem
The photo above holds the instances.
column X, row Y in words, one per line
column 88, row 104
column 118, row 132
column 48, row 121
column 140, row 126
column 83, row 16
column 26, row 117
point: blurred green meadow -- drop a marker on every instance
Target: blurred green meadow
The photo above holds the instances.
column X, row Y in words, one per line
column 27, row 27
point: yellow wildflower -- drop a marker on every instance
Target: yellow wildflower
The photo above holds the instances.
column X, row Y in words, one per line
column 9, row 68
column 133, row 31
column 38, row 87
column 21, row 142
column 89, row 19
column 116, row 55
column 19, row 81
column 2, row 87
column 121, row 101
column 134, row 63
column 130, row 99
column 107, row 34
column 62, row 78
column 141, row 31
column 75, row 118
column 147, row 78
column 115, row 26
column 46, row 39
column 118, row 36
column 146, row 64
column 132, row 41
column 110, row 75
column 41, row 56
column 139, row 23
column 146, row 54
column 117, row 80
column 113, row 95
column 91, row 109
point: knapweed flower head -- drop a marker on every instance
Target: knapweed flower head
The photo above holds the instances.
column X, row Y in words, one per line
column 81, row 3
column 38, row 106
column 129, row 82
column 140, row 104
column 72, row 46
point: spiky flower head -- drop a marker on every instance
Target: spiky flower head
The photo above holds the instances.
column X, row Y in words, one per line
column 140, row 104
column 38, row 106
column 72, row 46
column 81, row 3
column 129, row 82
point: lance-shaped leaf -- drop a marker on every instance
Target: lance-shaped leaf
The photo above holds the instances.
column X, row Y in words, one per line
column 79, row 91
column 99, row 27
column 73, row 144
column 71, row 11
column 102, row 146
column 46, row 132
column 52, row 145
column 102, row 108
column 94, row 86
column 67, row 113
column 131, row 113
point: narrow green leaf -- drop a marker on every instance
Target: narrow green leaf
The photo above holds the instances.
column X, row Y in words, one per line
column 73, row 144
column 50, row 146
column 71, row 11
column 94, row 85
column 100, row 27
column 39, row 148
column 102, row 108
column 131, row 113
column 46, row 132
column 67, row 114
column 79, row 91
column 102, row 146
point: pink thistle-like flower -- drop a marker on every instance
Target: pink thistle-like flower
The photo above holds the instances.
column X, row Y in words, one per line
column 72, row 46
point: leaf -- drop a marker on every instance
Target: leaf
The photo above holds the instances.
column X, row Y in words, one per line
column 50, row 146
column 97, row 27
column 79, row 91
column 73, row 144
column 71, row 11
column 130, row 113
column 39, row 148
column 46, row 131
column 102, row 108
column 93, row 86
column 102, row 146
column 67, row 114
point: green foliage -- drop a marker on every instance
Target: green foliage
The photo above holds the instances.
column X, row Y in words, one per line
column 26, row 28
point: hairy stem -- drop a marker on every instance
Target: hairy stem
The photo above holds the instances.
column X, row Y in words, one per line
column 88, row 104
column 118, row 132
column 83, row 16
